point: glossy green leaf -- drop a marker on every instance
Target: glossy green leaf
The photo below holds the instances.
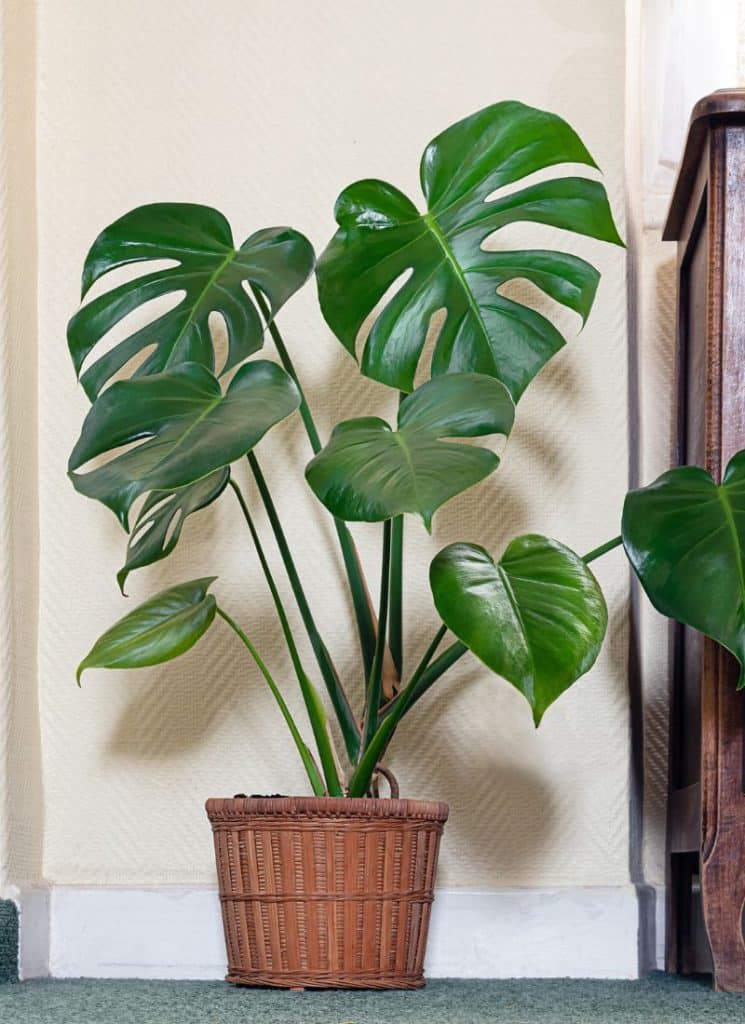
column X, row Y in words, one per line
column 186, row 429
column 685, row 537
column 436, row 259
column 537, row 617
column 369, row 472
column 209, row 274
column 158, row 526
column 160, row 629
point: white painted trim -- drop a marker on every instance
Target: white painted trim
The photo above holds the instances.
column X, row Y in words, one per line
column 174, row 932
column 33, row 904
column 34, row 927
column 660, row 923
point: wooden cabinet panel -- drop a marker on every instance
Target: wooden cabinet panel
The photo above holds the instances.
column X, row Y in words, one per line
column 706, row 817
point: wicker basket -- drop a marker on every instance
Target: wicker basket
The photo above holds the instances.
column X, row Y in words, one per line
column 326, row 893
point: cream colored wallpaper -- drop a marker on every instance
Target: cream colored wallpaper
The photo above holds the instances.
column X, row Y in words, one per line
column 20, row 779
column 266, row 111
column 656, row 297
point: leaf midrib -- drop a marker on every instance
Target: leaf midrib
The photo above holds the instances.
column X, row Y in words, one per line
column 507, row 584
column 195, row 305
column 730, row 520
column 189, row 609
column 400, row 439
column 440, row 238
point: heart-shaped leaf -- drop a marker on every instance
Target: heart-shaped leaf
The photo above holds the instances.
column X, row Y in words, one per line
column 371, row 473
column 685, row 537
column 158, row 526
column 185, row 428
column 382, row 237
column 210, row 274
column 537, row 617
column 158, row 630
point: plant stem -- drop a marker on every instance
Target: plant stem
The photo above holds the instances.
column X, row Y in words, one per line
column 430, row 674
column 307, row 758
column 347, row 723
column 358, row 588
column 395, row 629
column 316, row 713
column 374, row 750
column 597, row 552
column 376, row 672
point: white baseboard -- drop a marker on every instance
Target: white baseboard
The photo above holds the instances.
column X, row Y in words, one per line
column 660, row 925
column 173, row 932
column 33, row 905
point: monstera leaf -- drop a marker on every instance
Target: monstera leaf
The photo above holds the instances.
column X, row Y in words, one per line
column 158, row 526
column 369, row 472
column 209, row 274
column 437, row 261
column 685, row 537
column 186, row 429
column 160, row 629
column 537, row 617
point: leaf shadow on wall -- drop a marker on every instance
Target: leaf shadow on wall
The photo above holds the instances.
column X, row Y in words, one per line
column 181, row 704
column 502, row 811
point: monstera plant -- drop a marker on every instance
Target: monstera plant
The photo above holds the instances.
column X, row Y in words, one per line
column 166, row 423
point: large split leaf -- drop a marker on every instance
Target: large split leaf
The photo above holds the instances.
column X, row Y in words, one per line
column 162, row 628
column 685, row 537
column 158, row 526
column 210, row 274
column 537, row 617
column 437, row 260
column 369, row 472
column 185, row 429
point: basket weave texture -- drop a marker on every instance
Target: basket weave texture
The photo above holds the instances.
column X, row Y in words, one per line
column 321, row 892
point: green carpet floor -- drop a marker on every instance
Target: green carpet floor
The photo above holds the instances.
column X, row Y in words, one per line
column 8, row 941
column 657, row 1000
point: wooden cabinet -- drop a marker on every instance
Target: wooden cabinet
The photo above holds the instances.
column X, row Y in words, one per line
column 706, row 816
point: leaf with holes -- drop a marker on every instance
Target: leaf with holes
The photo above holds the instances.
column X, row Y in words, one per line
column 158, row 526
column 182, row 426
column 210, row 273
column 685, row 537
column 382, row 237
column 537, row 617
column 162, row 628
column 371, row 473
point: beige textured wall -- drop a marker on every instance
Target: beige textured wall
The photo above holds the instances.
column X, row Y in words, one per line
column 266, row 111
column 656, row 321
column 20, row 777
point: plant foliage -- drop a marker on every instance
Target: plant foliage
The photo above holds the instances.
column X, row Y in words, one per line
column 167, row 424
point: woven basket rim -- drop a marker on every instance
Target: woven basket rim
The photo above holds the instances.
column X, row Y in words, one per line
column 220, row 809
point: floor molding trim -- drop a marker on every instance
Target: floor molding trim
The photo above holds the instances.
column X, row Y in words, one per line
column 175, row 932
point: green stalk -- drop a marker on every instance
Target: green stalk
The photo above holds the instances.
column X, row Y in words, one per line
column 347, row 722
column 597, row 552
column 362, row 610
column 305, row 755
column 374, row 682
column 395, row 628
column 429, row 674
column 374, row 750
column 313, row 704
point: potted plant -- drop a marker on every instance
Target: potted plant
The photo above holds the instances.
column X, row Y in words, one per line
column 334, row 889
